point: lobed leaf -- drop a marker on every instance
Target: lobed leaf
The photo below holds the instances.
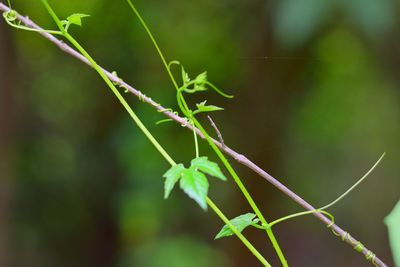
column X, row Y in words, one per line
column 171, row 178
column 195, row 185
column 240, row 223
column 208, row 167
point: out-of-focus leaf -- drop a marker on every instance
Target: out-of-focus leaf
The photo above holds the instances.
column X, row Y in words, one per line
column 373, row 17
column 393, row 223
column 208, row 167
column 195, row 185
column 240, row 223
column 296, row 20
column 176, row 251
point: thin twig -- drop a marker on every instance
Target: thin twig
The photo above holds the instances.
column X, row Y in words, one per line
column 221, row 140
column 345, row 236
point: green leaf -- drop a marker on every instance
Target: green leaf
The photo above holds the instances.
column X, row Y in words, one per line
column 172, row 176
column 240, row 223
column 208, row 167
column 201, row 78
column 195, row 185
column 393, row 223
column 76, row 18
column 202, row 107
column 185, row 76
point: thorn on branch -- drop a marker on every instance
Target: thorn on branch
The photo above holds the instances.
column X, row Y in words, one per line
column 221, row 140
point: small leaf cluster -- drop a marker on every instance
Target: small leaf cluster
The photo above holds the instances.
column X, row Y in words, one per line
column 193, row 180
column 199, row 84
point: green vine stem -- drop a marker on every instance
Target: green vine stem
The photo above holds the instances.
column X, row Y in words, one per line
column 142, row 127
column 184, row 108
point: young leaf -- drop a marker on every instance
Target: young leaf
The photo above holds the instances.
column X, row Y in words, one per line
column 393, row 223
column 185, row 76
column 202, row 107
column 172, row 176
column 208, row 167
column 195, row 185
column 76, row 18
column 201, row 78
column 240, row 223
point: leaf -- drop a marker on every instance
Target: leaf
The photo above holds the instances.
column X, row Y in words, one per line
column 240, row 223
column 195, row 185
column 185, row 76
column 373, row 17
column 201, row 78
column 297, row 20
column 202, row 107
column 208, row 167
column 172, row 176
column 76, row 18
column 393, row 223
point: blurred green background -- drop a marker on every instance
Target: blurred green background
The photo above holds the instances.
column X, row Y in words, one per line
column 317, row 101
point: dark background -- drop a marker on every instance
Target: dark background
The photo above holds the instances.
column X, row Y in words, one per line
column 316, row 103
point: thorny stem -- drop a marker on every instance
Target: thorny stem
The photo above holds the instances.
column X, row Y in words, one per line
column 147, row 133
column 240, row 158
column 185, row 110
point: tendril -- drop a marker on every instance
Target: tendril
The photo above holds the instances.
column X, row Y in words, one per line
column 11, row 18
column 357, row 245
